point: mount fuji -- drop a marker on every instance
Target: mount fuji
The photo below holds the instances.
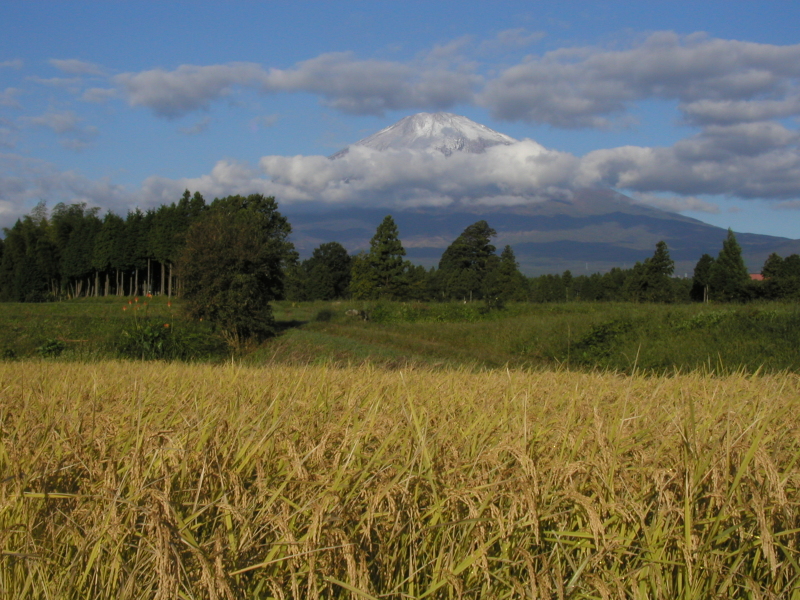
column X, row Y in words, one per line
column 586, row 230
column 439, row 132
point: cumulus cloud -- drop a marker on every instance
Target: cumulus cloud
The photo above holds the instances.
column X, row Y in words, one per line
column 99, row 95
column 342, row 81
column 25, row 181
column 715, row 81
column 187, row 88
column 787, row 205
column 774, row 174
column 588, row 87
column 511, row 39
column 744, row 160
column 263, row 121
column 197, row 128
column 68, row 125
column 374, row 86
column 676, row 203
column 504, row 175
column 8, row 133
column 76, row 67
column 8, row 97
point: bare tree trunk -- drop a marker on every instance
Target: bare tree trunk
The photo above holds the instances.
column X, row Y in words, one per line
column 170, row 280
column 149, row 279
column 163, row 271
column 136, row 286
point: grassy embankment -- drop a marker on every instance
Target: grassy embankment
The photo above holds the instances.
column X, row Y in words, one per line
column 621, row 337
column 132, row 480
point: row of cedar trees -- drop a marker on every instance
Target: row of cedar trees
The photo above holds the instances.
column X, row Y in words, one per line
column 73, row 252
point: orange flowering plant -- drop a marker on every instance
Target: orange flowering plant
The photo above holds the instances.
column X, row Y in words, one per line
column 147, row 338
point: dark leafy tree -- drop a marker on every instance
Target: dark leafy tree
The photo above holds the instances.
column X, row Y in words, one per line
column 781, row 277
column 466, row 262
column 233, row 265
column 728, row 277
column 328, row 271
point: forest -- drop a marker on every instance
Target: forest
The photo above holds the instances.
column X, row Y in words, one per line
column 71, row 252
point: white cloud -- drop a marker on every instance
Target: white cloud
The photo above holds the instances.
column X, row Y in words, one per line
column 77, row 67
column 59, row 122
column 187, row 88
column 787, row 205
column 342, row 81
column 197, row 128
column 715, row 81
column 676, row 203
column 99, row 95
column 11, row 64
column 71, row 84
column 8, row 133
column 587, row 87
column 512, row 39
column 373, row 86
column 25, row 181
column 8, row 97
column 74, row 135
column 263, row 121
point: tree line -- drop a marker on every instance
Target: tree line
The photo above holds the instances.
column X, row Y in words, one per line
column 72, row 252
column 191, row 248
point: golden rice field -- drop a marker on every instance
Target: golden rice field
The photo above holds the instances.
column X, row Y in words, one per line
column 134, row 480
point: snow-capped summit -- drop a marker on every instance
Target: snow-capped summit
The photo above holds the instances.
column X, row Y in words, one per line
column 441, row 132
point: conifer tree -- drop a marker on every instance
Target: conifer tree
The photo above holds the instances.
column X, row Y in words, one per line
column 466, row 262
column 728, row 276
column 381, row 272
column 505, row 282
column 701, row 278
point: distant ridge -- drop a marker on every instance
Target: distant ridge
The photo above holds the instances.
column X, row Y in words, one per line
column 434, row 132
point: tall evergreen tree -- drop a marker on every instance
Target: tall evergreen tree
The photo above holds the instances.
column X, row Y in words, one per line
column 328, row 271
column 381, row 272
column 728, row 277
column 504, row 281
column 702, row 278
column 466, row 262
column 650, row 281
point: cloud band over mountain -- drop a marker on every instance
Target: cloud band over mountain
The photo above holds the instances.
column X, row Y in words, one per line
column 739, row 101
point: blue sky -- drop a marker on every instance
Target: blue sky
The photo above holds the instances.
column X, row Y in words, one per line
column 689, row 106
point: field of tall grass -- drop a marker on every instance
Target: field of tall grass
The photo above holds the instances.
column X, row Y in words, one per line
column 169, row 480
column 623, row 337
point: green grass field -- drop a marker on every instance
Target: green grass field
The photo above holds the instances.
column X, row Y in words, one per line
column 617, row 336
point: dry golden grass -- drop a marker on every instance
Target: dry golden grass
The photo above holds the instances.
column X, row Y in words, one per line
column 130, row 480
